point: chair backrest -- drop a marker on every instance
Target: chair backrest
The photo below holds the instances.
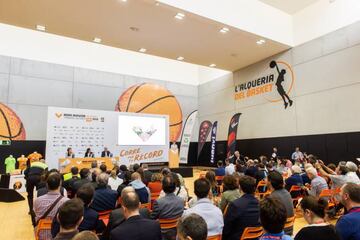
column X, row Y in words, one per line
column 226, row 209
column 104, row 216
column 295, row 188
column 252, row 232
column 289, row 222
column 146, row 205
column 168, row 223
column 219, row 178
column 216, row 237
column 326, row 193
column 43, row 225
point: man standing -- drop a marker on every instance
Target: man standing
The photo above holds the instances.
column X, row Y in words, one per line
column 297, row 156
column 206, row 209
column 230, row 167
column 348, row 226
column 274, row 154
column 135, row 227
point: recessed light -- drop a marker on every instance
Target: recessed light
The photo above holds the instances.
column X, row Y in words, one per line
column 97, row 40
column 180, row 58
column 135, row 29
column 124, row 0
column 157, row 4
column 212, row 65
column 260, row 42
column 41, row 28
column 224, row 30
column 142, row 50
column 179, row 16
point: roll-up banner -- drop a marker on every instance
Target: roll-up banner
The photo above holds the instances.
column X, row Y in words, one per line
column 213, row 142
column 204, row 131
column 186, row 136
column 231, row 144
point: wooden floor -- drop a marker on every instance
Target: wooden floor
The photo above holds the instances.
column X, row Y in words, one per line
column 15, row 223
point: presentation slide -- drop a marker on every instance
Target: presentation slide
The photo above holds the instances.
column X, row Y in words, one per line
column 141, row 130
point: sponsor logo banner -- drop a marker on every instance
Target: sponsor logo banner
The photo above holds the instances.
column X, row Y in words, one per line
column 186, row 136
column 213, row 142
column 231, row 143
column 204, row 131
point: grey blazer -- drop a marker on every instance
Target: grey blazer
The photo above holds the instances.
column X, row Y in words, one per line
column 168, row 207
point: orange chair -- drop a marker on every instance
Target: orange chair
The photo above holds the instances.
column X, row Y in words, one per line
column 118, row 202
column 154, row 197
column 262, row 184
column 43, row 225
column 329, row 194
column 296, row 189
column 104, row 216
column 219, row 180
column 146, row 205
column 289, row 222
column 252, row 232
column 216, row 237
column 168, row 223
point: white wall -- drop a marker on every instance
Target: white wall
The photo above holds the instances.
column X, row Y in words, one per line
column 40, row 46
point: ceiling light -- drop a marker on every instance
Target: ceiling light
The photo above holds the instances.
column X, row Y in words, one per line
column 212, row 65
column 180, row 58
column 157, row 4
column 224, row 30
column 260, row 42
column 124, row 0
column 142, row 50
column 97, row 40
column 41, row 28
column 179, row 16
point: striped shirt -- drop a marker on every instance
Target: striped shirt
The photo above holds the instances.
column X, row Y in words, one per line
column 317, row 185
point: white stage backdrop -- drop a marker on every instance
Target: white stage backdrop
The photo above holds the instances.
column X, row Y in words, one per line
column 83, row 128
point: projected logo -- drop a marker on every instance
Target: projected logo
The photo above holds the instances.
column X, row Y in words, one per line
column 145, row 135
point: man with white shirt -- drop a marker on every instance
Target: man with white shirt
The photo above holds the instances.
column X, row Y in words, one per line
column 206, row 209
column 230, row 167
column 351, row 175
column 297, row 156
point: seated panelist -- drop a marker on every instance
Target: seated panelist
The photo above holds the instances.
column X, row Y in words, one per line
column 69, row 153
column 106, row 153
column 89, row 153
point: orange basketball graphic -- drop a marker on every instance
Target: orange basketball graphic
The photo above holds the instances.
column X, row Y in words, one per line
column 153, row 99
column 11, row 127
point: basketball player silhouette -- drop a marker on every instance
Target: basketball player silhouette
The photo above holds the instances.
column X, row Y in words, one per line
column 278, row 83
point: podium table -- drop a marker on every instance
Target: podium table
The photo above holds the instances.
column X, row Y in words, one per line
column 65, row 164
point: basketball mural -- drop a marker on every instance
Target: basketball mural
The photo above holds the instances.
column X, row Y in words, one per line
column 153, row 99
column 11, row 127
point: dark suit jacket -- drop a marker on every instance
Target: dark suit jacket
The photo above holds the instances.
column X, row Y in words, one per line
column 242, row 212
column 104, row 199
column 105, row 154
column 79, row 183
column 137, row 228
column 168, row 207
column 147, row 176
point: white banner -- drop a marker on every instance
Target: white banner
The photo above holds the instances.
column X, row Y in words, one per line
column 186, row 136
column 81, row 129
column 17, row 182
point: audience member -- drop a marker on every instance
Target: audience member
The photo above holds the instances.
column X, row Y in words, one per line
column 47, row 205
column 261, row 173
column 123, row 169
column 230, row 167
column 297, row 156
column 114, row 180
column 103, row 168
column 273, row 219
column 105, row 198
column 317, row 183
column 135, row 167
column 314, row 213
column 85, row 235
column 191, row 227
column 180, row 190
column 147, row 174
column 70, row 216
column 276, row 184
column 84, row 179
column 251, row 168
column 348, row 226
column 295, row 179
column 338, row 177
column 126, row 182
column 140, row 188
column 220, row 170
column 95, row 173
column 352, row 176
column 242, row 212
column 155, row 185
column 135, row 227
column 210, row 176
column 69, row 184
column 206, row 209
column 42, row 186
column 230, row 191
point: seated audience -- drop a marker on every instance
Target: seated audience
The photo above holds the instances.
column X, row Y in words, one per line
column 135, row 167
column 180, row 190
column 220, row 170
column 251, row 168
column 95, row 173
column 304, row 176
column 47, row 205
column 85, row 235
column 42, row 186
column 273, row 219
column 94, row 166
column 69, row 184
column 230, row 167
column 317, row 183
column 276, row 185
column 122, row 170
column 242, row 212
column 352, row 176
column 191, row 227
column 338, row 177
column 135, row 227
column 70, row 216
column 147, row 174
column 155, row 185
column 84, row 179
column 210, row 176
column 206, row 209
column 348, row 226
column 126, row 182
column 114, row 180
column 103, row 168
column 261, row 173
column 230, row 191
column 140, row 188
column 105, row 198
column 295, row 179
column 314, row 213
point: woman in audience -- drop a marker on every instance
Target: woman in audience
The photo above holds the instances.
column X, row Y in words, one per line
column 114, row 180
column 155, row 185
column 314, row 213
column 231, row 191
column 210, row 176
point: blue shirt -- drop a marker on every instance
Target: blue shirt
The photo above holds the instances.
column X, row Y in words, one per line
column 220, row 171
column 273, row 236
column 348, row 226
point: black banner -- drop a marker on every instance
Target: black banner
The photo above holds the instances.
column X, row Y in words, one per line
column 231, row 143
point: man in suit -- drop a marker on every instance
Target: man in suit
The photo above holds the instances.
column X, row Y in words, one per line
column 105, row 198
column 84, row 178
column 106, row 153
column 135, row 227
column 69, row 184
column 242, row 212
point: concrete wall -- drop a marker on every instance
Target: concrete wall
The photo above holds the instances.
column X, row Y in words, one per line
column 325, row 94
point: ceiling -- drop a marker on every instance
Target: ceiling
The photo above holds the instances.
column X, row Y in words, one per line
column 289, row 6
column 195, row 38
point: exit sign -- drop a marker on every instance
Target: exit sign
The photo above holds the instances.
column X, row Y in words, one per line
column 5, row 142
